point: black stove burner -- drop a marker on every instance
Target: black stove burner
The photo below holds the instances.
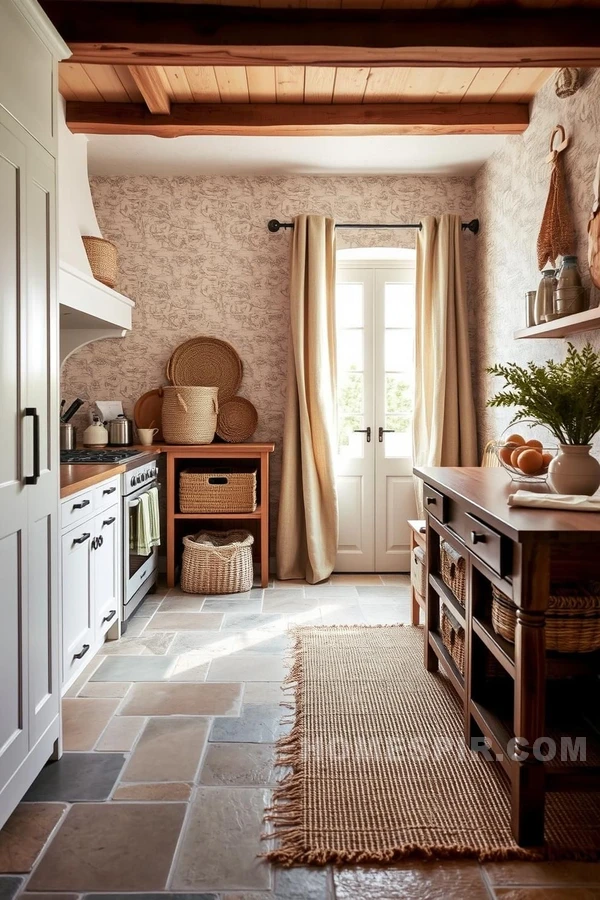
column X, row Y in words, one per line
column 108, row 455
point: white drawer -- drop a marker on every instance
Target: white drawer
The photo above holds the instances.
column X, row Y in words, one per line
column 106, row 493
column 76, row 508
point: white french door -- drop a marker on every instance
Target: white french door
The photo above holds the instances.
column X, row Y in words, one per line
column 375, row 335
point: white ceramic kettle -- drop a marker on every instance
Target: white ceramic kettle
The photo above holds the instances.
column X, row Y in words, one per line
column 95, row 435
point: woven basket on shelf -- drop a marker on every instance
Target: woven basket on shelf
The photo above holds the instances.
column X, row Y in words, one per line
column 189, row 414
column 453, row 638
column 217, row 562
column 572, row 617
column 102, row 256
column 217, row 491
column 453, row 567
column 418, row 571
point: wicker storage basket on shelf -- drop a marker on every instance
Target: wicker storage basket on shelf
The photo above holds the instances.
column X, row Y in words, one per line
column 572, row 617
column 189, row 414
column 102, row 256
column 217, row 491
column 453, row 638
column 453, row 568
column 418, row 571
column 217, row 562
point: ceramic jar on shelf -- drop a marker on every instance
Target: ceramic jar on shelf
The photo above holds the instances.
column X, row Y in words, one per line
column 569, row 296
column 544, row 301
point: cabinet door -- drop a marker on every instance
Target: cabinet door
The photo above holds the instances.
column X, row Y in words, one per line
column 42, row 396
column 14, row 574
column 106, row 569
column 77, row 612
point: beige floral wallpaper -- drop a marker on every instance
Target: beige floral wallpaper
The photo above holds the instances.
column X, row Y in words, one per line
column 511, row 190
column 196, row 256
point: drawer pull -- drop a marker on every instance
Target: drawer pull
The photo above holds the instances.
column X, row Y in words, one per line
column 108, row 491
column 82, row 539
column 81, row 505
column 94, row 544
column 109, row 521
column 110, row 616
column 82, row 652
column 100, row 541
column 430, row 500
column 477, row 538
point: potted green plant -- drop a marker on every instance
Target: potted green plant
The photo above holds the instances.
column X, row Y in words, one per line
column 565, row 397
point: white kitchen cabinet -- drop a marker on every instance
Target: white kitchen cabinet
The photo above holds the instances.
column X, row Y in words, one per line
column 92, row 574
column 29, row 462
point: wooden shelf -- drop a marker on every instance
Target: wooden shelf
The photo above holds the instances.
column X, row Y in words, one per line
column 584, row 321
column 220, row 515
column 444, row 592
column 495, row 731
column 501, row 649
column 447, row 663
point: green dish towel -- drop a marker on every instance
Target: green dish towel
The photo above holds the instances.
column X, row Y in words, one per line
column 145, row 524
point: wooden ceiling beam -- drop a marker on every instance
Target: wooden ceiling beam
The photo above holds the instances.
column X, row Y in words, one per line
column 151, row 88
column 191, row 34
column 299, row 119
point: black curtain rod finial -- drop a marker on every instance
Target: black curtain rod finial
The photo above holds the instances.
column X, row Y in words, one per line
column 274, row 225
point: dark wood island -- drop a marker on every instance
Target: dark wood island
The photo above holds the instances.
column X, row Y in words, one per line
column 514, row 695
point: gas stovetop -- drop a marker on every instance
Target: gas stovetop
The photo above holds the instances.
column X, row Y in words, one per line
column 106, row 455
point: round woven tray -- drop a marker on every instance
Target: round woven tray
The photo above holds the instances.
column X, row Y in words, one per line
column 237, row 420
column 572, row 618
column 207, row 362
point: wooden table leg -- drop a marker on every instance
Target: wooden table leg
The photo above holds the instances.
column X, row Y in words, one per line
column 264, row 520
column 432, row 601
column 170, row 520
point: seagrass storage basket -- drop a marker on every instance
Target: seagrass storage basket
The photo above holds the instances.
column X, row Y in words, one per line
column 217, row 491
column 102, row 256
column 572, row 617
column 453, row 638
column 217, row 562
column 189, row 414
column 453, row 568
column 418, row 571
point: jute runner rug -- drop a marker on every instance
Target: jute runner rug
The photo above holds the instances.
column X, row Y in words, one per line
column 379, row 770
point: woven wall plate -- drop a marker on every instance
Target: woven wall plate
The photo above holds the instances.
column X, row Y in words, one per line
column 206, row 362
column 237, row 420
column 147, row 412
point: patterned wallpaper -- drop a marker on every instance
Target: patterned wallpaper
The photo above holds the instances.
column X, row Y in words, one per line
column 196, row 256
column 511, row 190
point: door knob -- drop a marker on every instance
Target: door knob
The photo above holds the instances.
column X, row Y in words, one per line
column 366, row 431
column 383, row 431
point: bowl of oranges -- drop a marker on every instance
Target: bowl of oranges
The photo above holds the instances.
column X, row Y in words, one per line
column 525, row 459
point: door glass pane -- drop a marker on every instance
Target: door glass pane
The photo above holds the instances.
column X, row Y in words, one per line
column 351, row 444
column 399, row 305
column 399, row 442
column 349, row 305
column 351, row 393
column 398, row 350
column 398, row 394
column 350, row 350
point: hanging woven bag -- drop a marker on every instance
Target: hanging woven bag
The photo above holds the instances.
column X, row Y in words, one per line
column 594, row 231
column 557, row 232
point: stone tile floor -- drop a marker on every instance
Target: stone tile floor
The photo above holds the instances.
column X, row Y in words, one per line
column 169, row 749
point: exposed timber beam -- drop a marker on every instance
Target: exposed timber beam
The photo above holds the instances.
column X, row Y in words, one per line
column 299, row 119
column 151, row 88
column 147, row 33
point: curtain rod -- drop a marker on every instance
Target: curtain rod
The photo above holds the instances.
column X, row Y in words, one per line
column 274, row 225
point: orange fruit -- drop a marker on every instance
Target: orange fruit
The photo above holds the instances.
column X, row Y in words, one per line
column 515, row 439
column 505, row 453
column 514, row 457
column 534, row 443
column 530, row 462
column 547, row 458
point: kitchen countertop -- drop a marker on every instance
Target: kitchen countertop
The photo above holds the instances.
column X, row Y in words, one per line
column 76, row 477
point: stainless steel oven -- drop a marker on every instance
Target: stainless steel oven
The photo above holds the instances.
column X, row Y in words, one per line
column 140, row 573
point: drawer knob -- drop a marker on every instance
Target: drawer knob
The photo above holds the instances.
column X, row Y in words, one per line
column 477, row 538
column 430, row 500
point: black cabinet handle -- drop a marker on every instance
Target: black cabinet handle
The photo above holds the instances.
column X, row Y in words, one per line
column 110, row 616
column 108, row 491
column 32, row 411
column 430, row 501
column 81, row 505
column 82, row 539
column 477, row 538
column 109, row 521
column 82, row 652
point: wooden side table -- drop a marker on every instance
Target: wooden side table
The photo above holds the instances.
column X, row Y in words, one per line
column 178, row 458
column 417, row 539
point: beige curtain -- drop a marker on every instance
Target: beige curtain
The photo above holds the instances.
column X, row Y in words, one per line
column 444, row 431
column 307, row 530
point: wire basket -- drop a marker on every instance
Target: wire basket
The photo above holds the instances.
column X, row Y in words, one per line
column 528, row 470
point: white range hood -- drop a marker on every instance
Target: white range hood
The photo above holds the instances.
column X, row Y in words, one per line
column 89, row 310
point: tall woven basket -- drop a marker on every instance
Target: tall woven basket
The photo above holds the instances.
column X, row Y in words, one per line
column 217, row 562
column 102, row 256
column 189, row 414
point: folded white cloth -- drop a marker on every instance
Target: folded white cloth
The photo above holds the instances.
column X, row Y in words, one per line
column 573, row 502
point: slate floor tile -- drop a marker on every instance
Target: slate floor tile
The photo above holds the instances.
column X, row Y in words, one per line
column 183, row 603
column 547, row 892
column 247, row 666
column 383, row 594
column 302, row 883
column 159, row 791
column 354, row 580
column 239, row 621
column 9, row 885
column 134, row 668
column 265, row 692
column 189, row 667
column 184, row 621
column 165, row 896
column 413, row 880
column 257, row 724
column 221, row 841
column 169, row 699
column 144, row 645
column 104, row 689
column 168, row 750
column 121, row 733
column 25, row 833
column 226, row 605
column 45, row 896
column 239, row 765
column 542, row 873
column 111, row 847
column 77, row 776
column 84, row 719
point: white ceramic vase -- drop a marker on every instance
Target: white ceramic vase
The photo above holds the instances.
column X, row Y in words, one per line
column 574, row 471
